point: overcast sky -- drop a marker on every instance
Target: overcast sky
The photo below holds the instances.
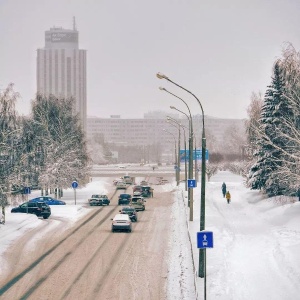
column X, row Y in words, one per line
column 222, row 51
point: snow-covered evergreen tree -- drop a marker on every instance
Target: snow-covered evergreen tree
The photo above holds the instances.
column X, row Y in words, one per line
column 276, row 170
column 269, row 157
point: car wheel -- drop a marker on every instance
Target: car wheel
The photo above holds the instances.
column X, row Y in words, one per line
column 45, row 217
column 129, row 230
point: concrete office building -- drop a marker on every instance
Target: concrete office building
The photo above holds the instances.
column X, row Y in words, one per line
column 149, row 130
column 61, row 68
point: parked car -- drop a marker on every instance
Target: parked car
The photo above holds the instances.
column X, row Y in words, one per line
column 138, row 203
column 48, row 200
column 98, row 199
column 121, row 222
column 124, row 199
column 130, row 211
column 121, row 185
column 40, row 209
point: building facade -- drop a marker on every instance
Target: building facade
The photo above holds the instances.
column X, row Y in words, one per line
column 61, row 68
column 150, row 130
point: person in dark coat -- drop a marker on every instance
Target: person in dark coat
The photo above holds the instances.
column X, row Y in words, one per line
column 224, row 189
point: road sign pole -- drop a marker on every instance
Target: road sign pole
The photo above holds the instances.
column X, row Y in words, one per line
column 204, row 240
column 204, row 254
column 75, row 186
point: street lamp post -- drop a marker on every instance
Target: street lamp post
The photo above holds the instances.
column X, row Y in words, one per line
column 174, row 151
column 184, row 136
column 190, row 190
column 202, row 256
column 178, row 150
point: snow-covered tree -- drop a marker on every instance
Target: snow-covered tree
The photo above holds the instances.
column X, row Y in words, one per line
column 269, row 157
column 276, row 170
column 8, row 133
column 60, row 141
column 252, row 123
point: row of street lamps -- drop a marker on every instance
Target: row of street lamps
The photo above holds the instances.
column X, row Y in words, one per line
column 202, row 252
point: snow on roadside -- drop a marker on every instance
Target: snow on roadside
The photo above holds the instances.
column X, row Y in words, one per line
column 62, row 216
column 181, row 283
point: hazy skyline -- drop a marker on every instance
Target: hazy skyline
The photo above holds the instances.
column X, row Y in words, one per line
column 222, row 52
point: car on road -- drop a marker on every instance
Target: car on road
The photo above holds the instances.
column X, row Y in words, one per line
column 124, row 199
column 40, row 209
column 143, row 182
column 128, row 179
column 147, row 191
column 130, row 211
column 98, row 200
column 136, row 194
column 137, row 188
column 121, row 222
column 138, row 203
column 48, row 200
column 105, row 200
column 121, row 185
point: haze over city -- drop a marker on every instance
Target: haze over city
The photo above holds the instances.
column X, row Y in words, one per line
column 222, row 52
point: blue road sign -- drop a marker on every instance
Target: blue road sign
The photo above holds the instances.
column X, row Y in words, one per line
column 192, row 183
column 205, row 239
column 197, row 155
column 74, row 184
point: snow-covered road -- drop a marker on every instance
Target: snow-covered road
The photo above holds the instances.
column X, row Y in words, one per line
column 256, row 252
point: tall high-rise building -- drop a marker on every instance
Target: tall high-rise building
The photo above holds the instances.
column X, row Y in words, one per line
column 61, row 68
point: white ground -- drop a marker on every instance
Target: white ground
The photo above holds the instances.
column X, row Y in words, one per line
column 256, row 252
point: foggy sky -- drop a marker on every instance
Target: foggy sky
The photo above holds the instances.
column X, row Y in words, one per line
column 222, row 51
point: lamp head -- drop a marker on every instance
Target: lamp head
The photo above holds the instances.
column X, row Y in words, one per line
column 161, row 76
column 162, row 88
column 172, row 107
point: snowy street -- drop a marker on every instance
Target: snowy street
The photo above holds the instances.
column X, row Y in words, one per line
column 255, row 255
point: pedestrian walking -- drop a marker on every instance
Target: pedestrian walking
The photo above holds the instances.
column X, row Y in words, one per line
column 224, row 189
column 228, row 197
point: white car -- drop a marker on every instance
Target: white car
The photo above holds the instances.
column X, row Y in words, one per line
column 121, row 222
column 121, row 185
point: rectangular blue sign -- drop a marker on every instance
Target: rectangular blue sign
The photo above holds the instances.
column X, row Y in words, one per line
column 192, row 183
column 197, row 155
column 205, row 239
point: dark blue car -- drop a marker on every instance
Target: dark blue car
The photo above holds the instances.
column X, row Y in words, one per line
column 48, row 200
column 124, row 199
